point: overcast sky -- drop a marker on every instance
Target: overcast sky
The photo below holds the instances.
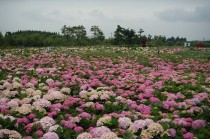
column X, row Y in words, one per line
column 184, row 18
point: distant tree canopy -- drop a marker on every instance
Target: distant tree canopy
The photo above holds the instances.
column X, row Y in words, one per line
column 74, row 35
column 32, row 38
column 77, row 36
column 98, row 35
column 175, row 41
column 124, row 36
column 129, row 37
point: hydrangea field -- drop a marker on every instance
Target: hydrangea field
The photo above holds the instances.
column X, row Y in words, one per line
column 104, row 93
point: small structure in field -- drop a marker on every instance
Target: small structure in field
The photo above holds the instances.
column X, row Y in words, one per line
column 187, row 44
column 144, row 41
column 48, row 49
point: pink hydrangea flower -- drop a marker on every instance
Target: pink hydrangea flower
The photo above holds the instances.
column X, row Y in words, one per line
column 85, row 115
column 78, row 129
column 144, row 109
column 39, row 133
column 154, row 99
column 99, row 106
column 28, row 137
column 198, row 124
column 188, row 135
column 31, row 116
column 56, row 107
column 68, row 124
column 172, row 132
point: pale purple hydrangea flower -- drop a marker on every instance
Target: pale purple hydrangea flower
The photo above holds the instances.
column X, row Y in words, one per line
column 140, row 124
column 172, row 132
column 98, row 131
column 124, row 122
column 50, row 135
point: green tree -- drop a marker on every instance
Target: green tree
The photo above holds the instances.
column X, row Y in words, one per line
column 140, row 37
column 140, row 32
column 1, row 39
column 67, row 32
column 119, row 35
column 8, row 39
column 98, row 35
column 149, row 38
column 129, row 36
column 79, row 33
column 32, row 38
column 158, row 40
column 125, row 36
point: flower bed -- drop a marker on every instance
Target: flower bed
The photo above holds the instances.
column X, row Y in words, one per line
column 64, row 95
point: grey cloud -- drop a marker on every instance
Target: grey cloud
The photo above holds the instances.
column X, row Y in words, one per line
column 96, row 13
column 51, row 15
column 200, row 14
column 40, row 15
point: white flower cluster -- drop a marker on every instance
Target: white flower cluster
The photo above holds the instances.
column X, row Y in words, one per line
column 96, row 94
column 41, row 103
column 153, row 129
column 104, row 120
column 52, row 95
column 65, row 90
column 89, row 105
column 74, row 119
column 140, row 124
column 84, row 135
column 25, row 101
column 54, row 128
column 13, row 85
column 5, row 117
column 24, row 109
column 7, row 85
column 11, row 134
column 16, row 85
column 12, row 104
column 109, row 135
column 47, row 122
column 30, row 91
column 9, row 94
column 124, row 122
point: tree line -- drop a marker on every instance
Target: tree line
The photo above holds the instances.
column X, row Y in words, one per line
column 77, row 36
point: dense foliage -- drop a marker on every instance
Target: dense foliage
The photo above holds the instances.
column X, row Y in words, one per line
column 77, row 36
column 33, row 38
